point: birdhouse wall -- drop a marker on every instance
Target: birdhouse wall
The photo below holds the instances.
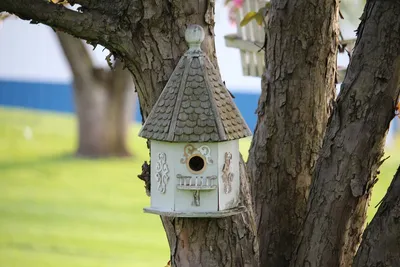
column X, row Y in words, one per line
column 229, row 177
column 172, row 160
column 207, row 200
column 163, row 158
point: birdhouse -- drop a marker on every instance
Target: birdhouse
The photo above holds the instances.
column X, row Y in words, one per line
column 194, row 129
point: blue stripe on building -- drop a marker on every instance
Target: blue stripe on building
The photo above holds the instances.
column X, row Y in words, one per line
column 59, row 97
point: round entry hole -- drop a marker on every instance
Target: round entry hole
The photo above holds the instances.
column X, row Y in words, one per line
column 196, row 163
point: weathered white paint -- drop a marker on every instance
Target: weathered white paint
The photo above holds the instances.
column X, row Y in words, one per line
column 177, row 199
column 164, row 200
column 208, row 198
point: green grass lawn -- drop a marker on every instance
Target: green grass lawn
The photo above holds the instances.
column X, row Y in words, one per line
column 56, row 210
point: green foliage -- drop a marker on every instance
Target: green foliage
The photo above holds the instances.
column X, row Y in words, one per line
column 56, row 210
column 258, row 16
column 248, row 17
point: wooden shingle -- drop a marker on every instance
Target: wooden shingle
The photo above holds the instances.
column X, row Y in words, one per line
column 195, row 105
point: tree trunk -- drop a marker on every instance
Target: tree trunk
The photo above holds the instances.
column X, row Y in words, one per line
column 297, row 91
column 381, row 239
column 104, row 102
column 353, row 146
column 301, row 47
column 149, row 37
column 228, row 241
column 158, row 45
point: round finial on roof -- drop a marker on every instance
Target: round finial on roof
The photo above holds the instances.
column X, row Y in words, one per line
column 194, row 35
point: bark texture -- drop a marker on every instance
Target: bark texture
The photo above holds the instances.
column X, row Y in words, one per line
column 104, row 102
column 381, row 239
column 99, row 25
column 297, row 93
column 353, row 146
column 149, row 37
column 215, row 242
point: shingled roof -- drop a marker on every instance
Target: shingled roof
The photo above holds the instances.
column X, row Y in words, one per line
column 195, row 105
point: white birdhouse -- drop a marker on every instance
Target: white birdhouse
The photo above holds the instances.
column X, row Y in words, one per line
column 194, row 129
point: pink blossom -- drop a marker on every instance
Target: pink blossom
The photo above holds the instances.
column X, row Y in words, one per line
column 238, row 3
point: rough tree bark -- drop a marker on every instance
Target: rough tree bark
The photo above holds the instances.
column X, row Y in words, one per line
column 104, row 102
column 297, row 93
column 353, row 145
column 381, row 239
column 148, row 35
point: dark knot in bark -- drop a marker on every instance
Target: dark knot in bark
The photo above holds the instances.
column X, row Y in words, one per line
column 145, row 176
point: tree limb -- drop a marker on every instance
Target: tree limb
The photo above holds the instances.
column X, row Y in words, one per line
column 121, row 77
column 292, row 116
column 77, row 55
column 90, row 25
column 353, row 145
column 381, row 239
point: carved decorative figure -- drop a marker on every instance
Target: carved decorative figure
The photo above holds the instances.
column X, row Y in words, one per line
column 190, row 149
column 227, row 175
column 196, row 198
column 162, row 172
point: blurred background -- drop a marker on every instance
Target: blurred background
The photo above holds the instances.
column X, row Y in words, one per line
column 70, row 155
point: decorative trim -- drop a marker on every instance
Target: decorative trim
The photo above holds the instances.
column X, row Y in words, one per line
column 206, row 152
column 196, row 198
column 162, row 172
column 196, row 182
column 190, row 150
column 227, row 175
column 187, row 151
column 218, row 119
column 178, row 102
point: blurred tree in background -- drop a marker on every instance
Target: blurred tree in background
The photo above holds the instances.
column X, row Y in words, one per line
column 104, row 102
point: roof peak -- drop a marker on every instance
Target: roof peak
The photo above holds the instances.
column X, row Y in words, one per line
column 195, row 105
column 194, row 36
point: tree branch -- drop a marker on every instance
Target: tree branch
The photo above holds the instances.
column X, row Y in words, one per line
column 292, row 117
column 121, row 77
column 381, row 239
column 90, row 25
column 353, row 145
column 77, row 55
